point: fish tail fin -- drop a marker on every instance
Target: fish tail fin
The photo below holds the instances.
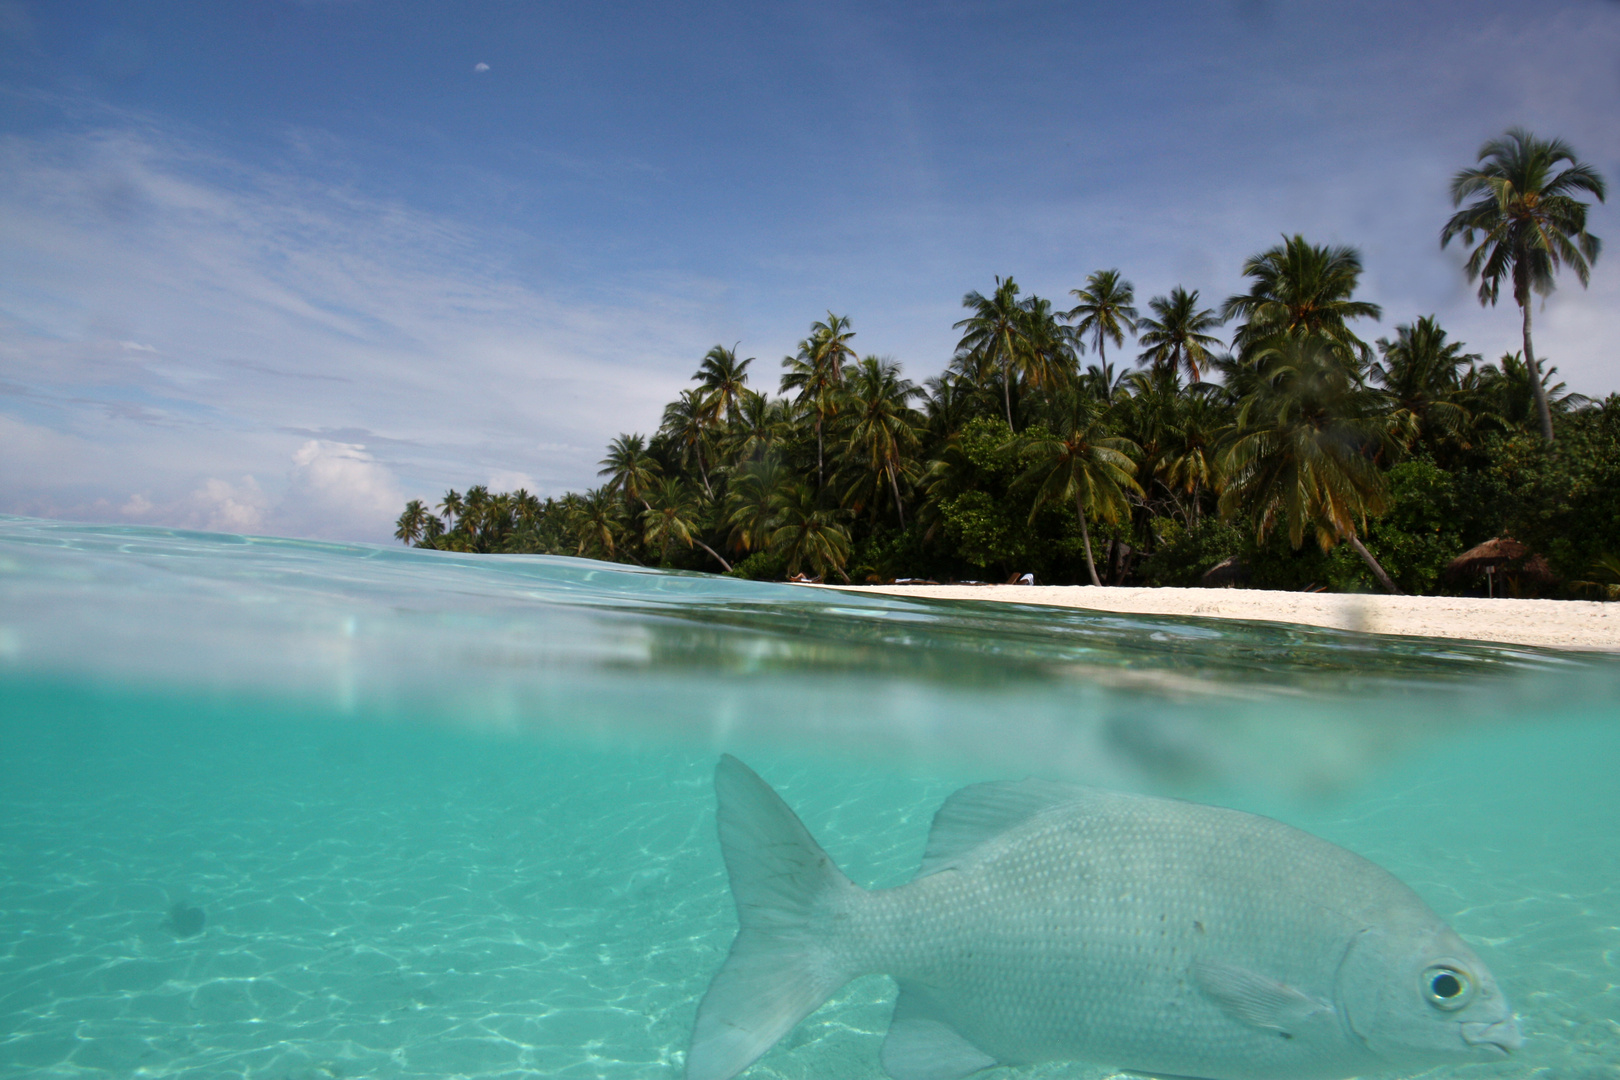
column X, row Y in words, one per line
column 784, row 962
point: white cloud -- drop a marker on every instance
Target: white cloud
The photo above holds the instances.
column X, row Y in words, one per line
column 221, row 506
column 480, row 66
column 337, row 490
column 289, row 315
column 507, row 480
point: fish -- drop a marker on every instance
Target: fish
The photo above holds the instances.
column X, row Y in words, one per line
column 1050, row 922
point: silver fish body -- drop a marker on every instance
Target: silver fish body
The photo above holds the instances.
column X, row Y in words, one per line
column 1050, row 922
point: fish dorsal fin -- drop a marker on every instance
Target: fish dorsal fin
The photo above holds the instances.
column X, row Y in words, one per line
column 981, row 811
column 1257, row 1000
column 920, row 1046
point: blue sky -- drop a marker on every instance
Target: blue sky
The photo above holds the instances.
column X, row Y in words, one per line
column 275, row 267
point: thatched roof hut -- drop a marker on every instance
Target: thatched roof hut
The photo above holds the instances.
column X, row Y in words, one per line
column 1506, row 558
column 1487, row 556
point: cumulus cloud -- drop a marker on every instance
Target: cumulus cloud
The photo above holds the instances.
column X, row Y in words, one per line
column 215, row 505
column 338, row 491
column 480, row 66
column 222, row 506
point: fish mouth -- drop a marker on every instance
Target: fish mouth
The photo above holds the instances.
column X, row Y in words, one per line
column 1497, row 1039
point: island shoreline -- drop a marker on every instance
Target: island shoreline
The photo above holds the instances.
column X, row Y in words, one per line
column 1581, row 625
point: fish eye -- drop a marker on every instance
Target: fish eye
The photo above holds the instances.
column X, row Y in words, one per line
column 1446, row 987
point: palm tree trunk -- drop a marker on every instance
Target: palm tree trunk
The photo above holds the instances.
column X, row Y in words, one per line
column 1006, row 391
column 821, row 478
column 703, row 471
column 1085, row 535
column 1372, row 564
column 1534, row 368
column 899, row 508
column 713, row 552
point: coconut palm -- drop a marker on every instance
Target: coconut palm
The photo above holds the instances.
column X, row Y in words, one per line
column 1422, row 372
column 1103, row 382
column 830, row 344
column 411, row 524
column 630, row 469
column 1502, row 394
column 1187, row 461
column 674, row 513
column 1175, row 337
column 816, row 374
column 947, row 404
column 688, row 421
column 751, row 501
column 1049, row 358
column 1074, row 458
column 1300, row 289
column 724, row 380
column 880, row 428
column 450, row 507
column 1104, row 310
column 597, row 519
column 995, row 336
column 757, row 426
column 804, row 533
column 1305, row 447
column 1529, row 225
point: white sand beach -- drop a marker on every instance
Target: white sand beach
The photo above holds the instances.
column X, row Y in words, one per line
column 1556, row 624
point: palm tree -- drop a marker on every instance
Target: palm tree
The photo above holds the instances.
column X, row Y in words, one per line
column 995, row 335
column 1049, row 358
column 1422, row 372
column 597, row 519
column 751, row 499
column 755, row 428
column 688, row 420
column 880, row 425
column 817, row 374
column 1080, row 461
column 947, row 404
column 411, row 524
column 1104, row 310
column 673, row 513
column 1176, row 339
column 1503, row 393
column 1529, row 224
column 830, row 344
column 724, row 379
column 1188, row 459
column 804, row 533
column 450, row 507
column 1304, row 450
column 630, row 469
column 1102, row 382
column 1300, row 290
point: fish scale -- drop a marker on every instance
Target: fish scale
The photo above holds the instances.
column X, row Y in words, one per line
column 1034, row 946
column 1051, row 922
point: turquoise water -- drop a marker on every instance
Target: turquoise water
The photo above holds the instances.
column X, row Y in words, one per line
column 450, row 816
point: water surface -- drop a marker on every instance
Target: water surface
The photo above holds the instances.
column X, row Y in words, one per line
column 450, row 815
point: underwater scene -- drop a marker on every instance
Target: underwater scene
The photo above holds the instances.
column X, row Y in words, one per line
column 289, row 810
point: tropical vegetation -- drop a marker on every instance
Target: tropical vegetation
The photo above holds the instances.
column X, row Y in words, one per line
column 1263, row 435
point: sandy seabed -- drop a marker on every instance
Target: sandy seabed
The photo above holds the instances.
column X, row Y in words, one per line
column 1555, row 624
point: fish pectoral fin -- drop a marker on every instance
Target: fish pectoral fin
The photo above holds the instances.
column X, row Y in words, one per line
column 920, row 1046
column 1257, row 1000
